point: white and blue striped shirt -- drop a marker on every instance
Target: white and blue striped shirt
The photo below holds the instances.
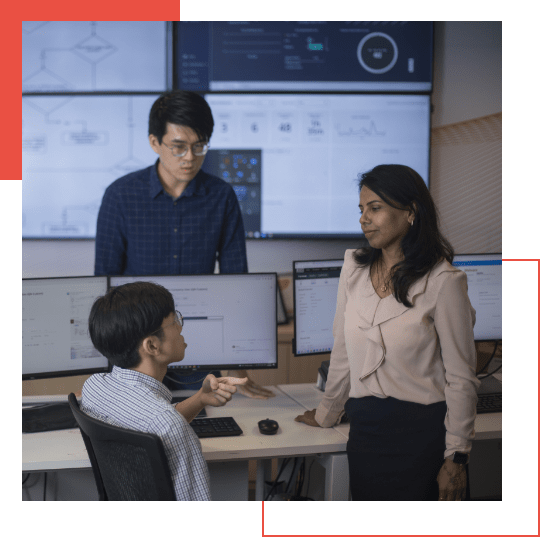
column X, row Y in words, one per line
column 133, row 400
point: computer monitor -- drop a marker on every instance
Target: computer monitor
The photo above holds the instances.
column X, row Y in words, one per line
column 315, row 285
column 109, row 56
column 69, row 161
column 484, row 278
column 55, row 339
column 230, row 320
column 315, row 296
column 294, row 159
column 304, row 56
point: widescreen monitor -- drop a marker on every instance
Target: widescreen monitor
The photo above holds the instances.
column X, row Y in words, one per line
column 315, row 285
column 230, row 320
column 55, row 339
column 294, row 159
column 73, row 56
column 484, row 279
column 73, row 148
column 315, row 296
column 345, row 56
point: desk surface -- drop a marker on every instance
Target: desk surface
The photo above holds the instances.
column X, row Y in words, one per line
column 57, row 450
column 487, row 426
column 292, row 438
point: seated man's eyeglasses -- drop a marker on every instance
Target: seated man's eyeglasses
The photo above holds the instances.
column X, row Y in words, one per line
column 178, row 320
column 180, row 150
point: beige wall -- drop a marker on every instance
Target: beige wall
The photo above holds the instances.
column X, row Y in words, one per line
column 466, row 137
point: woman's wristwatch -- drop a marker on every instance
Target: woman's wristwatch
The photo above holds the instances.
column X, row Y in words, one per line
column 461, row 458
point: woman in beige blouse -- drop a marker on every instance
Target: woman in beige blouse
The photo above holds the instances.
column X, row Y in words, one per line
column 403, row 365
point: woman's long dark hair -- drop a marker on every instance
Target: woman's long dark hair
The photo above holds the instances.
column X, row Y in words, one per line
column 423, row 246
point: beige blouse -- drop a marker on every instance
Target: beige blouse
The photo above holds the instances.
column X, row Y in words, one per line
column 424, row 354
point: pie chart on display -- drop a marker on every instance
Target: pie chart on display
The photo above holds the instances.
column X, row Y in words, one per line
column 377, row 53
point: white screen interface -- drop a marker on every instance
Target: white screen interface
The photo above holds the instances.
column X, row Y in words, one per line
column 55, row 339
column 315, row 294
column 484, row 278
column 230, row 320
column 64, row 56
column 316, row 285
column 73, row 148
column 294, row 160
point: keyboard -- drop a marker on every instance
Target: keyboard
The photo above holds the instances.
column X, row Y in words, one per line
column 214, row 427
column 489, row 402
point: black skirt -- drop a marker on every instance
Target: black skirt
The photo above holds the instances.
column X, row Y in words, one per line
column 395, row 449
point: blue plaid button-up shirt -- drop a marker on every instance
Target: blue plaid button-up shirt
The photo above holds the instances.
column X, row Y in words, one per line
column 142, row 230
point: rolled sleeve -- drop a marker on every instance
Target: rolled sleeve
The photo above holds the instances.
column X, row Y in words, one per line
column 454, row 321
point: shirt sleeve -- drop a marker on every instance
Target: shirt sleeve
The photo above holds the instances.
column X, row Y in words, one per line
column 184, row 455
column 454, row 321
column 232, row 245
column 338, row 383
column 110, row 237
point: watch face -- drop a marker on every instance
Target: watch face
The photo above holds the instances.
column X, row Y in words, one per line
column 461, row 458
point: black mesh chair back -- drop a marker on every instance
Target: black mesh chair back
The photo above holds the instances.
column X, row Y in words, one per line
column 128, row 465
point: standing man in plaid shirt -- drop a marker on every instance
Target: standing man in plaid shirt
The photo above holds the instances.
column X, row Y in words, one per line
column 172, row 217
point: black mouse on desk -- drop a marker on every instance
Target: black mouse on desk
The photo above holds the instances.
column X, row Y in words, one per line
column 268, row 426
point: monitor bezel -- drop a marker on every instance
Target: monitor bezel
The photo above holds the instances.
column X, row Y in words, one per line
column 70, row 372
column 214, row 367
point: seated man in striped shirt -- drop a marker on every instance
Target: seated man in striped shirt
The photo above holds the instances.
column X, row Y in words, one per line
column 137, row 328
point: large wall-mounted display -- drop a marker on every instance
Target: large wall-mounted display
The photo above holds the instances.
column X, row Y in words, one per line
column 314, row 104
column 73, row 147
column 294, row 160
column 67, row 56
column 304, row 56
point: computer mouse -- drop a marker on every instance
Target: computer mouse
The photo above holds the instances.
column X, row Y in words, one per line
column 268, row 426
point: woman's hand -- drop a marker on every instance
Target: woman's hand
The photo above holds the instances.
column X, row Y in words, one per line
column 308, row 417
column 452, row 481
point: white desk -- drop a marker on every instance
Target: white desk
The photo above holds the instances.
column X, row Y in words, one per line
column 60, row 450
column 487, row 426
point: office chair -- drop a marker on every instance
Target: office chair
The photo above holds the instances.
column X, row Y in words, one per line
column 128, row 465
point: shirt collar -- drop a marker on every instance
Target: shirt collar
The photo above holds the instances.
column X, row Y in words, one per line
column 196, row 186
column 373, row 310
column 128, row 376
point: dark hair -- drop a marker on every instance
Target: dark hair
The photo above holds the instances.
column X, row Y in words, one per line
column 184, row 108
column 423, row 246
column 121, row 319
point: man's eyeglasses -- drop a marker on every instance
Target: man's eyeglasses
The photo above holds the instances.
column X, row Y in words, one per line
column 178, row 320
column 180, row 150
